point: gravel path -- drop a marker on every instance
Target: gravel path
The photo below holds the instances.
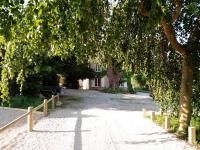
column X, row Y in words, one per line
column 7, row 115
column 98, row 122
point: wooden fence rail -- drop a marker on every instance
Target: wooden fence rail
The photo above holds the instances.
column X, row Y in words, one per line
column 31, row 111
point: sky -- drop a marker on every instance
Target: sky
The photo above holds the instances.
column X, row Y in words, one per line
column 25, row 2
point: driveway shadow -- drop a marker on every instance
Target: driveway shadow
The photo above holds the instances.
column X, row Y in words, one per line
column 112, row 102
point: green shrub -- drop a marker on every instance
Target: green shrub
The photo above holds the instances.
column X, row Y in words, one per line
column 24, row 101
column 139, row 81
column 31, row 87
column 196, row 123
column 160, row 120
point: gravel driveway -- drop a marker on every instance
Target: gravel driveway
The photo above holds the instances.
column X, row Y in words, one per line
column 98, row 122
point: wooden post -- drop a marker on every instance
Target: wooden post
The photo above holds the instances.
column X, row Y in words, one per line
column 30, row 119
column 53, row 102
column 45, row 108
column 167, row 123
column 192, row 135
column 144, row 112
column 153, row 116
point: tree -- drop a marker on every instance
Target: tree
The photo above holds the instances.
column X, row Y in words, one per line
column 179, row 20
column 46, row 28
column 113, row 72
column 126, row 33
column 136, row 32
column 178, row 12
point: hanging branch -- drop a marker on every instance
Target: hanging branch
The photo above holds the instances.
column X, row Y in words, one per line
column 168, row 28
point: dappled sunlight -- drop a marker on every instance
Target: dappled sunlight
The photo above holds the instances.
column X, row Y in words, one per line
column 105, row 122
column 123, row 102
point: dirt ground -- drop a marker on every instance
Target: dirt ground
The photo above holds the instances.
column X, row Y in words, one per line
column 95, row 121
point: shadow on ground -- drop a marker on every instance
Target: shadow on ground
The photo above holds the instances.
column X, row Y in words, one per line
column 95, row 100
column 123, row 102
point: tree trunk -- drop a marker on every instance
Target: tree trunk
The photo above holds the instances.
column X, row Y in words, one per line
column 185, row 94
column 113, row 75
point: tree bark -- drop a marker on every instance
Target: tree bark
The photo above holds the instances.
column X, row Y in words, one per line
column 185, row 109
column 113, row 75
column 185, row 94
column 170, row 34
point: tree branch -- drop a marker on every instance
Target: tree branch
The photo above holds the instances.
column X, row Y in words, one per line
column 168, row 28
column 177, row 11
column 172, row 38
column 143, row 10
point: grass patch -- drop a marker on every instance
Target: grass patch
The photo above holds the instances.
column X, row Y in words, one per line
column 160, row 120
column 24, row 101
column 196, row 123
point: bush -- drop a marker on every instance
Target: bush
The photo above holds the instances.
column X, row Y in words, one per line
column 139, row 82
column 31, row 88
column 24, row 101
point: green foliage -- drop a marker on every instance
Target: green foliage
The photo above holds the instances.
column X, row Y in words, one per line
column 130, row 86
column 139, row 82
column 86, row 29
column 46, row 28
column 24, row 101
column 160, row 120
column 67, row 67
column 195, row 122
column 82, row 71
column 100, row 74
column 156, row 7
column 46, row 74
column 160, row 67
column 126, row 77
column 173, row 124
column 150, row 53
column 31, row 87
column 196, row 96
